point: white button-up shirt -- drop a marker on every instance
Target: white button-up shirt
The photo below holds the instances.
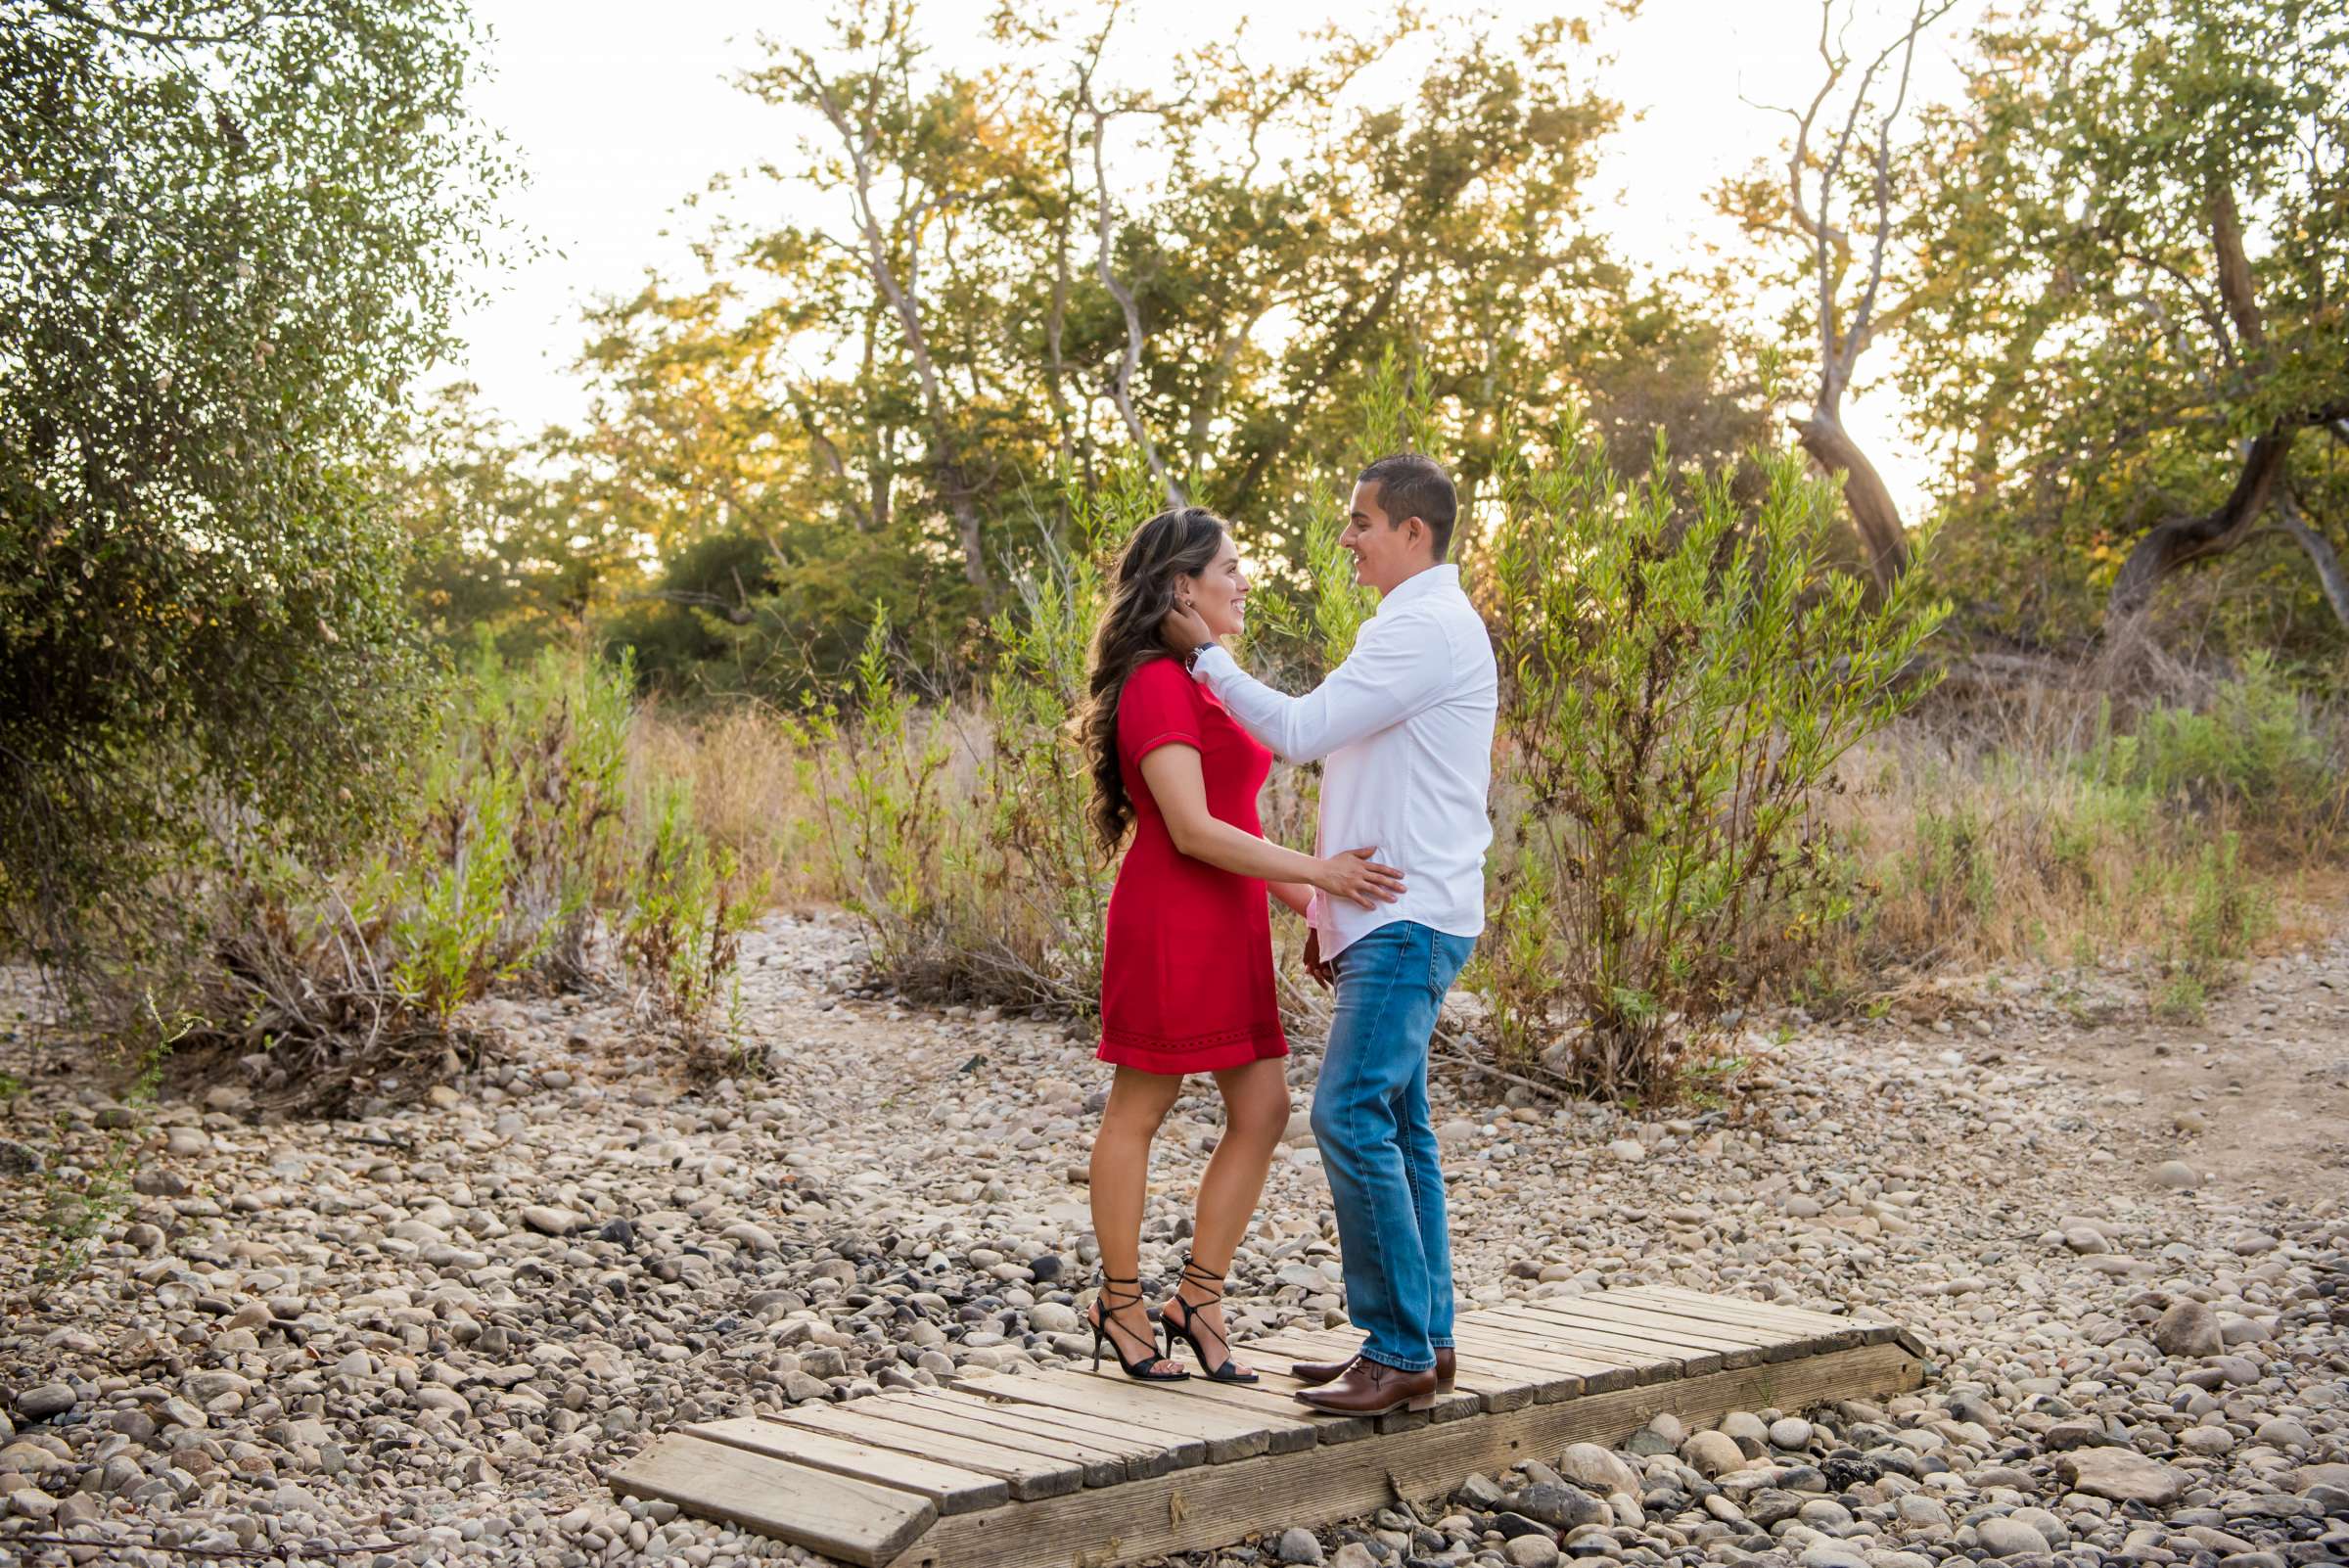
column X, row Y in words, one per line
column 1405, row 730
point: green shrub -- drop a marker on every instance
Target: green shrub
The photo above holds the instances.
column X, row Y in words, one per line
column 452, row 937
column 2253, row 745
column 1676, row 692
column 325, row 985
column 1033, row 775
column 514, row 833
column 2226, row 910
column 682, row 920
column 962, row 840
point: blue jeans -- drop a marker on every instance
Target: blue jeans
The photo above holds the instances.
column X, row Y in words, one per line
column 1370, row 1119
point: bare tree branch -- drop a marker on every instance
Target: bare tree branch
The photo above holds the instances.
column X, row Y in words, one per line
column 1840, row 341
column 1863, row 318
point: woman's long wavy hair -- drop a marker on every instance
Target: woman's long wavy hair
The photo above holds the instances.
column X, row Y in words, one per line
column 1175, row 543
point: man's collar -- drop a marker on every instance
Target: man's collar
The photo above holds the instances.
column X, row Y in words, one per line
column 1443, row 573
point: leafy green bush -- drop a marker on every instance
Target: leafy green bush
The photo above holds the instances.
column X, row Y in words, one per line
column 2252, row 745
column 1677, row 693
column 962, row 840
column 514, row 837
column 451, row 938
column 959, row 836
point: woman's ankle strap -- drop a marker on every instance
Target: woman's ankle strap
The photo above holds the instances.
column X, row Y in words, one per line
column 1195, row 1274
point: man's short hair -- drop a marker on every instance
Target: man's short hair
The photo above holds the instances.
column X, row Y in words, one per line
column 1410, row 485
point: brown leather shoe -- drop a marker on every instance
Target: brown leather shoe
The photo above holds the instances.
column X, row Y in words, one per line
column 1369, row 1388
column 1318, row 1372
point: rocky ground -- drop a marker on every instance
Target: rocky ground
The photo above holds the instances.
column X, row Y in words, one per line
column 420, row 1337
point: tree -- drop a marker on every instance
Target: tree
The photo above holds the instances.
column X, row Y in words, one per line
column 232, row 230
column 1035, row 262
column 918, row 161
column 1843, row 150
column 1450, row 223
column 2134, row 317
column 502, row 537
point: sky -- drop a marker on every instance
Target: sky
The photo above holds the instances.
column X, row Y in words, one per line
column 618, row 112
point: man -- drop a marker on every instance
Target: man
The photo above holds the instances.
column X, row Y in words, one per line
column 1403, row 730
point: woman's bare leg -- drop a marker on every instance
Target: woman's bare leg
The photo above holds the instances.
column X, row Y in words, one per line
column 1256, row 1113
column 1138, row 1102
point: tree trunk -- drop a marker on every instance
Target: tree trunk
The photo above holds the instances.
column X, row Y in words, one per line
column 2319, row 551
column 1871, row 504
column 1121, row 381
column 966, row 528
column 946, row 460
column 2171, row 545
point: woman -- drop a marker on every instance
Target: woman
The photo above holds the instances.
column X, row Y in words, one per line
column 1187, row 974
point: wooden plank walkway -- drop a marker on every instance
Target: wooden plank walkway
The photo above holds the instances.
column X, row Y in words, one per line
column 1069, row 1467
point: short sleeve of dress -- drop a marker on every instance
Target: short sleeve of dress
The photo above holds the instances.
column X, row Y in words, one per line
column 1159, row 706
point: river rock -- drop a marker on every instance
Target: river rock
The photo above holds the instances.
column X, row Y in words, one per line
column 2123, row 1475
column 2188, row 1328
column 1712, row 1453
column 1297, row 1544
column 2004, row 1537
column 1588, row 1465
column 40, row 1403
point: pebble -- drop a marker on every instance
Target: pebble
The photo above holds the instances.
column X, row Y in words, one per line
column 2006, row 1537
column 2188, row 1328
column 1532, row 1551
column 40, row 1403
column 1712, row 1453
column 1297, row 1544
column 1590, row 1465
column 2123, row 1476
column 440, row 1325
column 1561, row 1507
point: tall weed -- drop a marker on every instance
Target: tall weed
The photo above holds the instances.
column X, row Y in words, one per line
column 516, row 834
column 2165, row 841
column 962, row 840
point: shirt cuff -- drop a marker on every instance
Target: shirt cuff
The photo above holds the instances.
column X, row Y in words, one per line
column 1214, row 661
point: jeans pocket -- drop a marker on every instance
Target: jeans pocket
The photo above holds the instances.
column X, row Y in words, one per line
column 1446, row 955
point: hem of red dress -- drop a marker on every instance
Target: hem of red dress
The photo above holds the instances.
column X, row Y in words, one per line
column 1174, row 1062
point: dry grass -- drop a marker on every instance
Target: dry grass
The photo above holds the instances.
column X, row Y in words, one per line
column 755, row 791
column 2001, row 834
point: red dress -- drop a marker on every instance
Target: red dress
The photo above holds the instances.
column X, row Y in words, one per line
column 1186, row 963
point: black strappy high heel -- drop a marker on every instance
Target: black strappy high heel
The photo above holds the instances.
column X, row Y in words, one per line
column 1144, row 1370
column 1190, row 1328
